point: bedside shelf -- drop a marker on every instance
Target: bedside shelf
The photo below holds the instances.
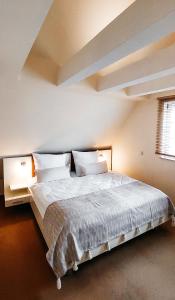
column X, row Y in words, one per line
column 17, row 193
column 17, row 197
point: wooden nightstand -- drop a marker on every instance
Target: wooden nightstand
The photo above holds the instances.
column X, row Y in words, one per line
column 17, row 170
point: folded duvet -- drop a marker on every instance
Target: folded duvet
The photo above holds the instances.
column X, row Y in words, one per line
column 76, row 225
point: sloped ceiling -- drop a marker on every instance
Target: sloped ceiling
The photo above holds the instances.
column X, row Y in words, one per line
column 71, row 25
column 20, row 22
column 58, row 31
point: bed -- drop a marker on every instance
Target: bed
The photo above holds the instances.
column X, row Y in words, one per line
column 82, row 217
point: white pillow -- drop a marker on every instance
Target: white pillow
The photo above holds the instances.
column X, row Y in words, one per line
column 47, row 161
column 51, row 174
column 94, row 169
column 81, row 158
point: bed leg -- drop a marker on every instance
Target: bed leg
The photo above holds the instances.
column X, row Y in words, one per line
column 58, row 283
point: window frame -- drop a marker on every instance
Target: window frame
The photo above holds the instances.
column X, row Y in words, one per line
column 158, row 135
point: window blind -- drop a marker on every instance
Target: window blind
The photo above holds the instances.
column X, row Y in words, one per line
column 165, row 141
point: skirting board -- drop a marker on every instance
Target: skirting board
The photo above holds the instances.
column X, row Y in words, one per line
column 1, row 187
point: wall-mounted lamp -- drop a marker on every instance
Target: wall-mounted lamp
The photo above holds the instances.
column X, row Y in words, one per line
column 105, row 155
column 23, row 163
column 101, row 156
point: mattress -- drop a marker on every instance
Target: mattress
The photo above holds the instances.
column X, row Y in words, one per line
column 45, row 194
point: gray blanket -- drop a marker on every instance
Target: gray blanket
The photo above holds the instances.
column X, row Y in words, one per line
column 73, row 226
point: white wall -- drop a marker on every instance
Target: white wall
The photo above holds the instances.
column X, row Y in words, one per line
column 139, row 135
column 36, row 115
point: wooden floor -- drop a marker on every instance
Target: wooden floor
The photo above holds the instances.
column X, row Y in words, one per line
column 142, row 269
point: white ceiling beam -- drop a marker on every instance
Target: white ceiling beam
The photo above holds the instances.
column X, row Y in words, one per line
column 153, row 67
column 141, row 24
column 155, row 86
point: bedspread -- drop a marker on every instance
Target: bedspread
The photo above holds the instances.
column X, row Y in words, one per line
column 78, row 224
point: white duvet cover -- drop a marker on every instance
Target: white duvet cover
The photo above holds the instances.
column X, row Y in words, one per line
column 46, row 193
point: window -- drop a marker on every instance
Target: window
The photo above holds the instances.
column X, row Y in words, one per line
column 165, row 144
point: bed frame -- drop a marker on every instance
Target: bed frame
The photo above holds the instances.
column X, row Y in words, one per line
column 110, row 244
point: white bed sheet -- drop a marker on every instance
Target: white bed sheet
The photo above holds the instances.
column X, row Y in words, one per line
column 46, row 193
